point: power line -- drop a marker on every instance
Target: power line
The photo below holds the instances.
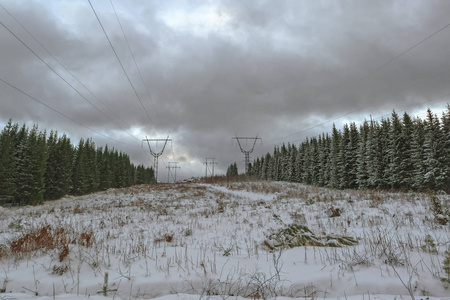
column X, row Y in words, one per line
column 54, row 71
column 409, row 49
column 40, row 44
column 140, row 75
column 58, row 112
column 135, row 63
column 62, row 78
column 120, row 62
column 373, row 71
column 315, row 126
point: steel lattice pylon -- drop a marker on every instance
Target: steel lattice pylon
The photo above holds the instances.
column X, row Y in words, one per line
column 156, row 155
column 247, row 152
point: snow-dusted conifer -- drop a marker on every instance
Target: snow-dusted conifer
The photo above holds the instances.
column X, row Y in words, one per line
column 446, row 149
column 335, row 158
column 362, row 158
column 433, row 153
column 7, row 165
column 396, row 148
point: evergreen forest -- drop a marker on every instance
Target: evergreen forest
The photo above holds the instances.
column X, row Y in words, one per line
column 398, row 153
column 36, row 166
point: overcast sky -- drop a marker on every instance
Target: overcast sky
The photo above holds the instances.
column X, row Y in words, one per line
column 202, row 72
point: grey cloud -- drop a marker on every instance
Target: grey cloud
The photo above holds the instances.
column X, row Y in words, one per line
column 275, row 69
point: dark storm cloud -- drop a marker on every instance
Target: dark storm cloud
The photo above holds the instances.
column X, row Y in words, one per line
column 218, row 69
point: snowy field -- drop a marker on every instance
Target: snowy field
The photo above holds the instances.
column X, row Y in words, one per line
column 255, row 240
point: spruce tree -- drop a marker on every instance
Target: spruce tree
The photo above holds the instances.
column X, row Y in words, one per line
column 314, row 161
column 299, row 164
column 373, row 158
column 363, row 158
column 8, row 171
column 396, row 150
column 434, row 153
column 307, row 176
column 417, row 154
column 79, row 174
column 383, row 156
column 407, row 166
column 335, row 165
column 284, row 163
column 265, row 170
column 352, row 154
column 446, row 149
column 232, row 169
column 344, row 159
column 321, row 161
column 92, row 175
column 31, row 164
column 58, row 175
column 292, row 162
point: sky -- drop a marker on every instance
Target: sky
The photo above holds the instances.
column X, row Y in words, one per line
column 203, row 72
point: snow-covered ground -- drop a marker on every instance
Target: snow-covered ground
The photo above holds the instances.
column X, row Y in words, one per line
column 224, row 241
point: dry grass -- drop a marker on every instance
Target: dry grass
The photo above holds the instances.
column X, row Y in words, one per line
column 47, row 238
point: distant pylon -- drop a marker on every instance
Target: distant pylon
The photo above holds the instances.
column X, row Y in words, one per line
column 247, row 152
column 156, row 154
column 172, row 167
column 212, row 162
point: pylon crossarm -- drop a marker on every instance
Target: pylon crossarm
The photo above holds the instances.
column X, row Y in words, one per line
column 156, row 154
column 157, row 140
column 247, row 152
column 247, row 138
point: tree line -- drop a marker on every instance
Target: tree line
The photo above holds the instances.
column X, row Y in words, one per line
column 232, row 169
column 400, row 153
column 36, row 166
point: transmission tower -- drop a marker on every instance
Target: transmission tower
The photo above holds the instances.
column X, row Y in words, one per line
column 156, row 154
column 172, row 167
column 212, row 162
column 247, row 152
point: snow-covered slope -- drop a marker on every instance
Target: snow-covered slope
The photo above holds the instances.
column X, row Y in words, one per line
column 252, row 239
